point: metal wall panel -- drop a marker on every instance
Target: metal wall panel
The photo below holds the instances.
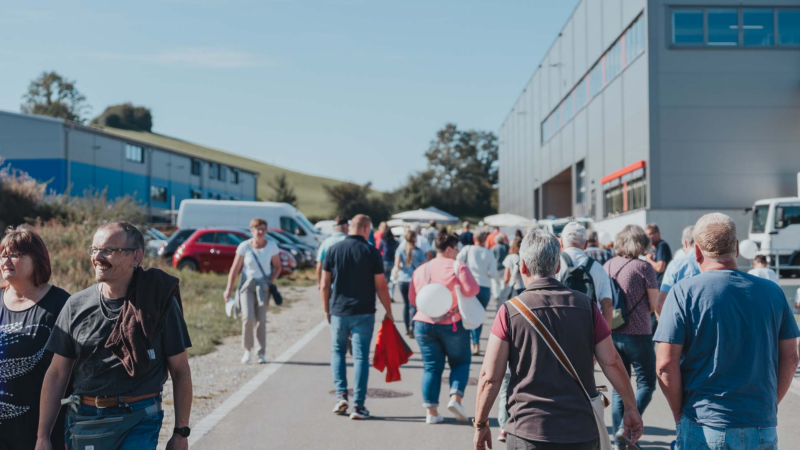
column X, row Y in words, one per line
column 612, row 21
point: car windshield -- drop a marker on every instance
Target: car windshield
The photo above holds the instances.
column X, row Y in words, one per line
column 279, row 237
column 306, row 224
column 294, row 239
column 180, row 236
column 158, row 235
column 759, row 222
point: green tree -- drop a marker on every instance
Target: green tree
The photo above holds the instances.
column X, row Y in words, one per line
column 127, row 117
column 284, row 192
column 350, row 199
column 55, row 96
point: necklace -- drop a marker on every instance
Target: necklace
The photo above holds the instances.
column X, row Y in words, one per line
column 106, row 310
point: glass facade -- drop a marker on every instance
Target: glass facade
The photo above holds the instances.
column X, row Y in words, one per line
column 624, row 194
column 758, row 27
column 789, row 26
column 723, row 26
column 735, row 27
column 687, row 26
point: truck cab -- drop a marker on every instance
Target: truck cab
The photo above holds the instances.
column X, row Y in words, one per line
column 775, row 228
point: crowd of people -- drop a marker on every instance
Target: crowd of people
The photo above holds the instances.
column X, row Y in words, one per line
column 566, row 305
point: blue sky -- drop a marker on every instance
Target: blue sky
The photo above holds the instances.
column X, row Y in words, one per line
column 351, row 89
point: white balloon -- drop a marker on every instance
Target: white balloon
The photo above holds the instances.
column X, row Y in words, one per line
column 748, row 249
column 434, row 300
column 603, row 238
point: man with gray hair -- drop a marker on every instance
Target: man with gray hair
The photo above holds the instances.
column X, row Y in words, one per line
column 727, row 352
column 680, row 268
column 548, row 408
column 582, row 273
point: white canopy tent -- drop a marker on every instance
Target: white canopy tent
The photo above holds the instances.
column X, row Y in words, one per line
column 425, row 215
column 509, row 220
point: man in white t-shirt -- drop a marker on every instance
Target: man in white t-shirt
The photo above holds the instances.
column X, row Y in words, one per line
column 761, row 270
column 574, row 239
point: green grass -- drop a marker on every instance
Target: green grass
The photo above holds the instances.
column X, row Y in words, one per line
column 311, row 197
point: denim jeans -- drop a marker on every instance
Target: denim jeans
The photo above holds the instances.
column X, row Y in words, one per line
column 636, row 351
column 387, row 272
column 502, row 415
column 437, row 342
column 692, row 435
column 484, row 295
column 408, row 308
column 361, row 327
column 517, row 443
column 143, row 436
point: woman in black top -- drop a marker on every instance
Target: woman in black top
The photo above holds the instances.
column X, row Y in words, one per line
column 29, row 306
column 388, row 248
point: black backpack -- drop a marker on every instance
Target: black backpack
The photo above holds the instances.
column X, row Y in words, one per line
column 578, row 278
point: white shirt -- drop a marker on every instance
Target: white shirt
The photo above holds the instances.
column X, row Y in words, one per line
column 602, row 283
column 512, row 263
column 250, row 268
column 678, row 254
column 765, row 272
column 481, row 263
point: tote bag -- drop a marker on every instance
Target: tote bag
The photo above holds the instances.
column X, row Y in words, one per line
column 472, row 312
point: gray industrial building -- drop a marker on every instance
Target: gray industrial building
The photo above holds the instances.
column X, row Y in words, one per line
column 658, row 111
column 157, row 170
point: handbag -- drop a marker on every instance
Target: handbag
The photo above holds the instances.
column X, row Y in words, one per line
column 599, row 402
column 273, row 290
column 473, row 314
column 103, row 432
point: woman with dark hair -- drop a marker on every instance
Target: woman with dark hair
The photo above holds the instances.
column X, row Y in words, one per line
column 407, row 259
column 29, row 307
column 388, row 247
column 444, row 337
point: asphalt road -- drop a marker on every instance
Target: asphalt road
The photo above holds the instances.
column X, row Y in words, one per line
column 292, row 409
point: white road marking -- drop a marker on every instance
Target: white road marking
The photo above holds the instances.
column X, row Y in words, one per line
column 211, row 420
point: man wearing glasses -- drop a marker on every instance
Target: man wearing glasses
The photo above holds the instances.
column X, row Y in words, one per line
column 117, row 374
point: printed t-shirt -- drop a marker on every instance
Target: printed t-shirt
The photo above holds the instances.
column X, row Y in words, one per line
column 634, row 277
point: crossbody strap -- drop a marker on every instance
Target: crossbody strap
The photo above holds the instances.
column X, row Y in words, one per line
column 253, row 252
column 551, row 342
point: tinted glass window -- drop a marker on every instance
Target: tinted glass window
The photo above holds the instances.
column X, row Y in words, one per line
column 288, row 224
column 206, row 238
column 180, row 236
column 759, row 224
column 723, row 26
column 789, row 26
column 279, row 237
column 759, row 27
column 687, row 26
column 595, row 80
column 229, row 239
column 787, row 215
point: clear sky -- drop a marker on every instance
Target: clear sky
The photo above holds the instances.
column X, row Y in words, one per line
column 351, row 89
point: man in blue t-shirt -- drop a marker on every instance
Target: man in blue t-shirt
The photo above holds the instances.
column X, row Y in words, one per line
column 352, row 275
column 728, row 347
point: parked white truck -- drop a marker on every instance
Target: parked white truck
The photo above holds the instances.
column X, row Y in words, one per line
column 775, row 228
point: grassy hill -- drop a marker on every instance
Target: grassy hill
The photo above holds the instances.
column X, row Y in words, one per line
column 311, row 197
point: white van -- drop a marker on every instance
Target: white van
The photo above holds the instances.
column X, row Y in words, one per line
column 775, row 228
column 556, row 225
column 231, row 213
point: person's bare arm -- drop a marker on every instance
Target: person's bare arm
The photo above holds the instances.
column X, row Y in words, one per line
column 612, row 367
column 53, row 388
column 491, row 377
column 607, row 309
column 325, row 293
column 277, row 268
column 787, row 365
column 236, row 269
column 383, row 294
column 319, row 274
column 507, row 276
column 659, row 266
column 668, row 370
column 662, row 297
column 181, row 374
column 652, row 297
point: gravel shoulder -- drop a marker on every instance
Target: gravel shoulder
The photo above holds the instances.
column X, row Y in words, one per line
column 217, row 375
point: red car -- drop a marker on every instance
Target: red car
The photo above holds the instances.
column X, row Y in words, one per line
column 213, row 250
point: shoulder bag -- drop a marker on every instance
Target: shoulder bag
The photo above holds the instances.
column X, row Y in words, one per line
column 599, row 402
column 273, row 290
column 473, row 314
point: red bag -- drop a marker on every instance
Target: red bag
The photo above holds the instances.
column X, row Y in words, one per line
column 391, row 351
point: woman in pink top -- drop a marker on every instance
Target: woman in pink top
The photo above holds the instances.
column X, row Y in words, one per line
column 443, row 337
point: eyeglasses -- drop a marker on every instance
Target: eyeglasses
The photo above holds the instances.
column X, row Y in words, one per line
column 106, row 252
column 14, row 257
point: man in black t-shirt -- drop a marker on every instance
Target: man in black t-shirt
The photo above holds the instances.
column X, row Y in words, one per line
column 352, row 274
column 103, row 382
column 661, row 254
column 466, row 238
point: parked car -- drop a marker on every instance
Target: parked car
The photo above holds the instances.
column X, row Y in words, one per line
column 305, row 256
column 555, row 226
column 178, row 237
column 153, row 240
column 213, row 250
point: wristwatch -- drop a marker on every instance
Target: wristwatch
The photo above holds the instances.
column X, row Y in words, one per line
column 480, row 425
column 183, row 431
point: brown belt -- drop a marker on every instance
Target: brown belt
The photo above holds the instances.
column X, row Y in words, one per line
column 110, row 402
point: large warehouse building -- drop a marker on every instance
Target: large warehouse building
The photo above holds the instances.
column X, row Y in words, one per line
column 658, row 111
column 158, row 171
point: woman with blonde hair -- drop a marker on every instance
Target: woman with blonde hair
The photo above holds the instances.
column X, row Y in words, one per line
column 407, row 259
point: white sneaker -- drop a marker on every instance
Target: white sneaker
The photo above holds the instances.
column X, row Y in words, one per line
column 431, row 420
column 457, row 411
column 246, row 357
column 262, row 359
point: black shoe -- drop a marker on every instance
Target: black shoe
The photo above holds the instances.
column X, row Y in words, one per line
column 340, row 408
column 359, row 413
column 624, row 442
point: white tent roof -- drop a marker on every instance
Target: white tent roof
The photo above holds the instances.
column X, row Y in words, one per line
column 508, row 220
column 422, row 215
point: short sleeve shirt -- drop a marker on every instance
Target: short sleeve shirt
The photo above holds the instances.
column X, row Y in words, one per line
column 634, row 277
column 81, row 332
column 353, row 264
column 500, row 325
column 600, row 279
column 680, row 268
column 729, row 324
column 512, row 263
column 250, row 267
column 329, row 242
column 662, row 253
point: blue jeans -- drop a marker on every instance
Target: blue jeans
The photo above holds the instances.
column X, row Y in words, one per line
column 502, row 413
column 484, row 295
column 143, row 436
column 692, row 435
column 435, row 343
column 636, row 351
column 360, row 327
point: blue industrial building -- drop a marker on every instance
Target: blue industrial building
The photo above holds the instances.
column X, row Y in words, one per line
column 158, row 171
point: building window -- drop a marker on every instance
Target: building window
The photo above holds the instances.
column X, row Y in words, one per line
column 197, row 167
column 223, row 173
column 723, row 27
column 213, row 168
column 614, row 62
column 758, row 27
column 197, row 194
column 687, row 26
column 595, row 80
column 789, row 27
column 234, row 176
column 625, row 190
column 134, row 153
column 158, row 193
column 581, row 94
column 580, row 182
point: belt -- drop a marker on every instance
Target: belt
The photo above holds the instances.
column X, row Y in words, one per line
column 111, row 402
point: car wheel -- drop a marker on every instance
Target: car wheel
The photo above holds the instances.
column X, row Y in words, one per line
column 188, row 264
